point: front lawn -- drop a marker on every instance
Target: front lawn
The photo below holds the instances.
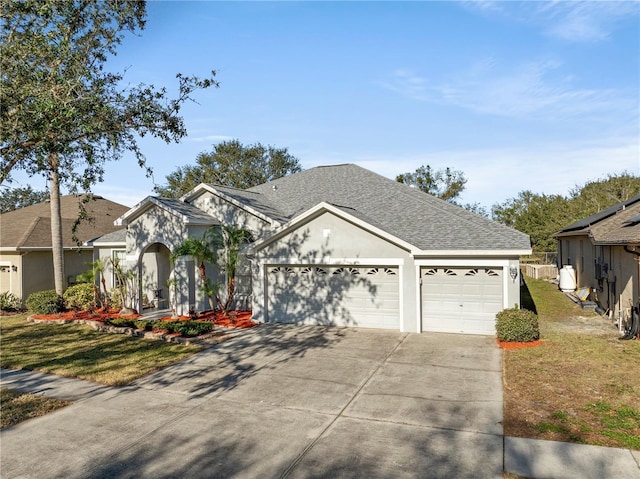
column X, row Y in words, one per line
column 580, row 384
column 18, row 407
column 78, row 351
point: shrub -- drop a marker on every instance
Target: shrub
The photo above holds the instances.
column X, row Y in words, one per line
column 144, row 325
column 122, row 322
column 10, row 302
column 80, row 296
column 517, row 325
column 45, row 302
column 187, row 329
column 115, row 298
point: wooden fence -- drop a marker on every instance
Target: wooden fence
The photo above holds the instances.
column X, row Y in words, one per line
column 541, row 271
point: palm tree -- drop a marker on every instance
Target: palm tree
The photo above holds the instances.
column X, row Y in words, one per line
column 230, row 239
column 201, row 250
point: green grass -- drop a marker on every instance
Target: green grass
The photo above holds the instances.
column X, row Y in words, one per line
column 578, row 385
column 78, row 351
column 17, row 407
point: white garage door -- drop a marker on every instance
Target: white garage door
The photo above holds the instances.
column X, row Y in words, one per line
column 366, row 297
column 461, row 300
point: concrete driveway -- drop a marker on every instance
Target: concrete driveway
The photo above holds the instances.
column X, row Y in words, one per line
column 286, row 401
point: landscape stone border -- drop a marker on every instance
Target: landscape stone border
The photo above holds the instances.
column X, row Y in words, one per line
column 205, row 340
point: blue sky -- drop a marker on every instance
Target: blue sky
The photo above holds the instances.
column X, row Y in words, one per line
column 533, row 95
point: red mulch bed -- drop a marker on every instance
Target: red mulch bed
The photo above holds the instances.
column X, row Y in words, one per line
column 235, row 319
column 513, row 345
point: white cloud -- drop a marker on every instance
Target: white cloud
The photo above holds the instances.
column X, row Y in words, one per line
column 575, row 21
column 496, row 174
column 210, row 138
column 536, row 88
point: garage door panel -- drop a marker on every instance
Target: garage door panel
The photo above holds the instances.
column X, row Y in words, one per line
column 463, row 300
column 334, row 295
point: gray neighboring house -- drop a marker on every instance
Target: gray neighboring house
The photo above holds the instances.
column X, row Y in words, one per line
column 337, row 245
column 26, row 261
column 604, row 250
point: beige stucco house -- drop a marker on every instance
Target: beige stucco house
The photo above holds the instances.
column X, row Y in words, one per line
column 604, row 250
column 335, row 245
column 26, row 262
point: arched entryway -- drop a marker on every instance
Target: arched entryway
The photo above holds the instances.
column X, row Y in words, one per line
column 155, row 272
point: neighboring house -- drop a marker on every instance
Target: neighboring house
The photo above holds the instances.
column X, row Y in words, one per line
column 338, row 245
column 604, row 250
column 26, row 262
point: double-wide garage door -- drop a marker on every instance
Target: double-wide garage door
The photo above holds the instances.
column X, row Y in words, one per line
column 334, row 295
column 461, row 300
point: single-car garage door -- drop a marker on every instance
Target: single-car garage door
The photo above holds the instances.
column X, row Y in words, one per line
column 366, row 297
column 461, row 300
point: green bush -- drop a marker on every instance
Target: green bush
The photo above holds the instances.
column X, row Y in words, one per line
column 10, row 302
column 122, row 322
column 144, row 325
column 187, row 329
column 80, row 296
column 517, row 325
column 45, row 302
column 115, row 299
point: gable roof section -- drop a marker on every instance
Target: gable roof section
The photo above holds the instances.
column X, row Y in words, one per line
column 619, row 225
column 252, row 202
column 187, row 213
column 30, row 227
column 116, row 238
column 414, row 217
column 347, row 214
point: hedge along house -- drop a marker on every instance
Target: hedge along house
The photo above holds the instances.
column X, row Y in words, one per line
column 26, row 261
column 604, row 250
column 341, row 245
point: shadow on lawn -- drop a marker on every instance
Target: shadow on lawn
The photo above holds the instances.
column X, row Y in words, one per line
column 526, row 299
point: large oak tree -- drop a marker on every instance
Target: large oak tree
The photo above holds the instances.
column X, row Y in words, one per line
column 541, row 216
column 446, row 184
column 230, row 163
column 62, row 113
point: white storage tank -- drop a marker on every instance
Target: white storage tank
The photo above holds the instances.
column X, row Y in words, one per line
column 567, row 279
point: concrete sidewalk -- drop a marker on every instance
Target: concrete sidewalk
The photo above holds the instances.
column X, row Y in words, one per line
column 298, row 402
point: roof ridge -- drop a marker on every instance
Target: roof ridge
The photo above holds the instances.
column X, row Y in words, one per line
column 28, row 231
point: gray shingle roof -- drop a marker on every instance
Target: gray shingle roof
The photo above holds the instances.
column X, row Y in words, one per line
column 254, row 200
column 584, row 223
column 180, row 208
column 119, row 236
column 614, row 225
column 409, row 214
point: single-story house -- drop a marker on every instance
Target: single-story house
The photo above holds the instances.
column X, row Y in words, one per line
column 335, row 245
column 26, row 261
column 604, row 251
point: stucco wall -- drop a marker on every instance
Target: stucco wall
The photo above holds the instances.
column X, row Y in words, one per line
column 11, row 280
column 624, row 267
column 229, row 214
column 618, row 289
column 35, row 270
column 329, row 239
column 154, row 226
